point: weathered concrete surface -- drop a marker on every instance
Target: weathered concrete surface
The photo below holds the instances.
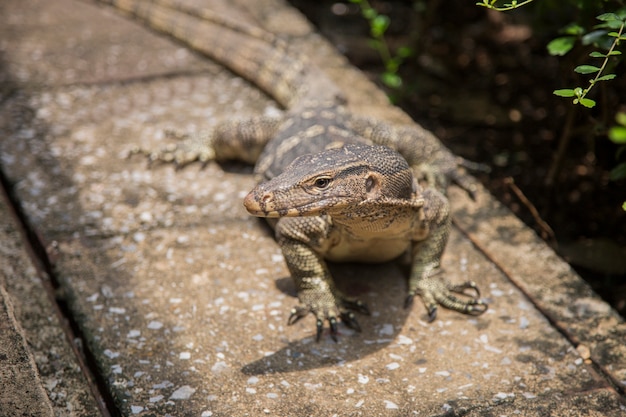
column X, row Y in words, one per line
column 183, row 297
column 39, row 373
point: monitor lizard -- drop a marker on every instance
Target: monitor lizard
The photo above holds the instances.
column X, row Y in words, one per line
column 334, row 186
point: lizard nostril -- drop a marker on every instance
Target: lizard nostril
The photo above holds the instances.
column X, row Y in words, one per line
column 267, row 198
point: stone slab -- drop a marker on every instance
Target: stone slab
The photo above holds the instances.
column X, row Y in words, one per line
column 183, row 298
column 39, row 372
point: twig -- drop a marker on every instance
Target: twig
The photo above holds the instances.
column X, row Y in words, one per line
column 546, row 231
column 564, row 140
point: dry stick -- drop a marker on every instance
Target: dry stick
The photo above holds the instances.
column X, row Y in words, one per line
column 564, row 140
column 546, row 231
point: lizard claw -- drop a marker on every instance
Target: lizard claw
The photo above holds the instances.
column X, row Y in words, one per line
column 330, row 314
column 350, row 321
column 435, row 292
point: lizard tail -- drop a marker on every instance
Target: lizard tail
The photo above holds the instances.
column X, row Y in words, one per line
column 247, row 50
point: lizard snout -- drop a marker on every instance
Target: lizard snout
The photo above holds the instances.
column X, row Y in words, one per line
column 257, row 202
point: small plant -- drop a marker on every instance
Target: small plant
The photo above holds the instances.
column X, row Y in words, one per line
column 617, row 134
column 612, row 27
column 491, row 4
column 379, row 23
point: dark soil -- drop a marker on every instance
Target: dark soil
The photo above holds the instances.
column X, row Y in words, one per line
column 483, row 82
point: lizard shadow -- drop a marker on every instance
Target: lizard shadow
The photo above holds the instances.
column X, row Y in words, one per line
column 381, row 286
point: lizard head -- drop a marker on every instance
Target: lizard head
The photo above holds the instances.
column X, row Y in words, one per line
column 333, row 182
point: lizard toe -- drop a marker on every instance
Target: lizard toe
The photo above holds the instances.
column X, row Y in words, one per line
column 348, row 318
column 296, row 314
column 356, row 305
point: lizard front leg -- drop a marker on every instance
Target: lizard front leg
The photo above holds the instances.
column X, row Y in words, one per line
column 241, row 140
column 300, row 239
column 426, row 277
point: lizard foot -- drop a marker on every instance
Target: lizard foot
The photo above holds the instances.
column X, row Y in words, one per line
column 341, row 310
column 191, row 148
column 436, row 292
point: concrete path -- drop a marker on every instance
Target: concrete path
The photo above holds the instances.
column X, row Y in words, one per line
column 158, row 295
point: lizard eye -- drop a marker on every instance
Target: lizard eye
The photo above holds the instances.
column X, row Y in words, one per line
column 322, row 182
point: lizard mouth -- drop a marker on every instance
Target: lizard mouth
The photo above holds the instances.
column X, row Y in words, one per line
column 264, row 205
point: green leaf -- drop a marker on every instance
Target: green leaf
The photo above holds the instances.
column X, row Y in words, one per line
column 620, row 118
column 624, row 206
column 379, row 25
column 586, row 69
column 606, row 77
column 612, row 24
column 605, row 17
column 593, row 37
column 596, row 54
column 573, row 29
column 560, row 46
column 618, row 173
column 615, row 53
column 404, row 52
column 566, row 92
column 391, row 80
column 617, row 134
column 587, row 102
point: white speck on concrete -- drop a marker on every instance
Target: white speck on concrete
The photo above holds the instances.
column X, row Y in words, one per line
column 93, row 297
column 503, row 395
column 445, row 374
column 182, row 393
column 421, row 370
column 529, row 395
column 155, row 325
column 492, row 349
column 403, row 340
column 271, row 395
column 257, row 337
column 206, row 414
column 164, row 384
column 393, row 365
column 116, row 369
column 219, row 367
column 110, row 354
column 363, row 379
column 133, row 333
column 156, row 398
column 390, row 405
column 250, row 390
column 285, row 383
column 386, row 330
column 184, row 355
column 252, row 380
column 117, row 310
column 176, row 300
column 350, row 391
column 136, row 409
column 523, row 323
column 359, row 403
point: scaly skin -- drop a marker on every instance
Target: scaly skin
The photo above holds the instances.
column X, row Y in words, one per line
column 342, row 187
